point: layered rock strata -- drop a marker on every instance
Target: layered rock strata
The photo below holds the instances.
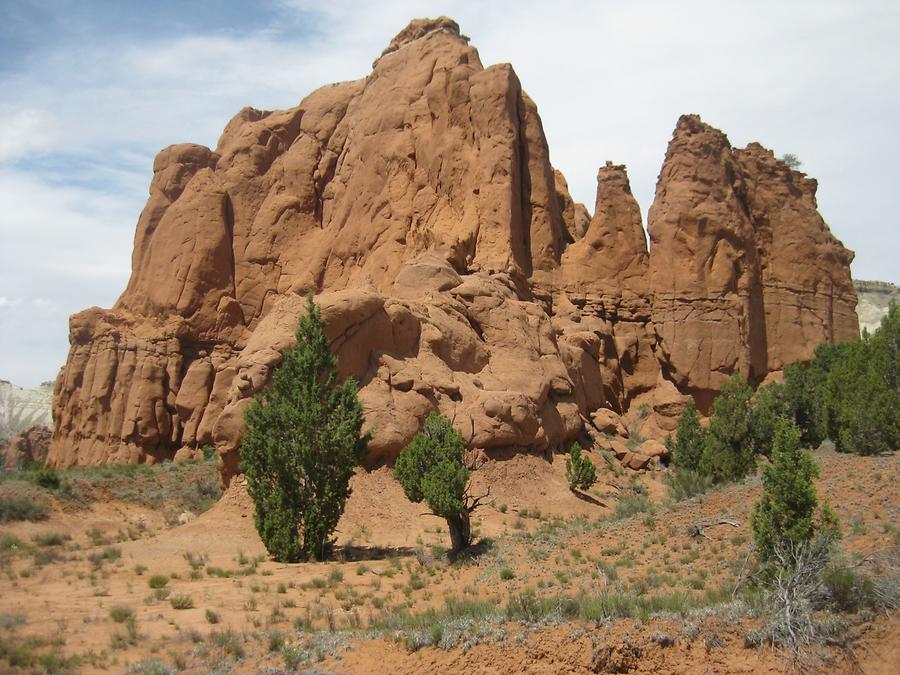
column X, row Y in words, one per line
column 875, row 298
column 744, row 273
column 452, row 267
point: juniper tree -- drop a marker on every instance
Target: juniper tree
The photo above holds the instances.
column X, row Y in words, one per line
column 728, row 450
column 580, row 471
column 686, row 447
column 432, row 469
column 787, row 513
column 302, row 441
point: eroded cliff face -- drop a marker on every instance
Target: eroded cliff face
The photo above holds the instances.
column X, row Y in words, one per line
column 744, row 273
column 453, row 269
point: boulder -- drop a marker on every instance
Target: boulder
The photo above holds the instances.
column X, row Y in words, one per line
column 608, row 422
column 652, row 448
column 636, row 461
column 27, row 446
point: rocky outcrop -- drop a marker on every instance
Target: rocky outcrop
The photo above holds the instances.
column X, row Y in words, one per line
column 26, row 447
column 744, row 273
column 452, row 268
column 875, row 298
column 22, row 408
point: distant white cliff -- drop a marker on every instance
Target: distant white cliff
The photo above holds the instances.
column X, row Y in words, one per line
column 22, row 408
column 874, row 298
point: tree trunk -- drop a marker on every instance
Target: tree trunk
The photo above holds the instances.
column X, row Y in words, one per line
column 460, row 531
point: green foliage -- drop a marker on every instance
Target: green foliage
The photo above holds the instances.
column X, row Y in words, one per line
column 769, row 404
column 120, row 613
column 848, row 590
column 724, row 450
column 580, row 471
column 786, row 513
column 431, row 469
column 728, row 452
column 16, row 507
column 158, row 581
column 630, row 505
column 850, row 392
column 302, row 441
column 685, row 483
column 791, row 160
column 46, row 477
column 687, row 446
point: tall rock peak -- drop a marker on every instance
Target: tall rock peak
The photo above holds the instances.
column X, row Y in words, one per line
column 612, row 254
column 745, row 273
column 419, row 28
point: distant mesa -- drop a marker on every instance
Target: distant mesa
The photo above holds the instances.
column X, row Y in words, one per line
column 454, row 271
column 875, row 298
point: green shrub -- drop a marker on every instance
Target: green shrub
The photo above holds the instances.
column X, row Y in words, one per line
column 109, row 553
column 46, row 477
column 769, row 404
column 580, row 471
column 850, row 392
column 14, row 507
column 158, row 581
column 630, row 505
column 728, row 450
column 685, row 483
column 431, row 469
column 181, row 601
column 120, row 614
column 786, row 514
column 302, row 441
column 848, row 590
column 689, row 441
column 863, row 392
column 51, row 538
column 212, row 617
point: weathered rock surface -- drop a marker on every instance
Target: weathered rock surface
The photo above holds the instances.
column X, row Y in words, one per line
column 27, row 446
column 744, row 272
column 452, row 268
column 875, row 299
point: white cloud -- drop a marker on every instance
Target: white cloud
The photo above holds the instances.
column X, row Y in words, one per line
column 64, row 249
column 24, row 132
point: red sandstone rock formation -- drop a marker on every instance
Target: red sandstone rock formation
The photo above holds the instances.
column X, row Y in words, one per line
column 744, row 272
column 452, row 268
column 27, row 446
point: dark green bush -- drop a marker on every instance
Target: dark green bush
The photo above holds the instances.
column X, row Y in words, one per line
column 728, row 451
column 46, row 477
column 580, row 471
column 787, row 512
column 431, row 469
column 686, row 447
column 769, row 404
column 850, row 392
column 302, row 441
column 848, row 590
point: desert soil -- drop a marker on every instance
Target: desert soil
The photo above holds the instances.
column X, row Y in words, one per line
column 60, row 596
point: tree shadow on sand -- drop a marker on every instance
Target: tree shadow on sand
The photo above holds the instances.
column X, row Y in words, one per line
column 353, row 552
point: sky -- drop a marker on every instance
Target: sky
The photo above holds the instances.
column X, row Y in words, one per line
column 90, row 91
